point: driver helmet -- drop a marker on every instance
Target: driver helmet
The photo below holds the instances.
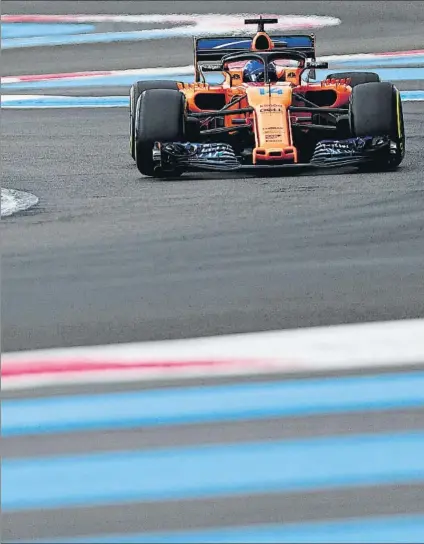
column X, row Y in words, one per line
column 254, row 72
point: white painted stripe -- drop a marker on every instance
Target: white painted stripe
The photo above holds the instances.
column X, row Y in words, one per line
column 29, row 101
column 356, row 346
column 13, row 201
column 47, row 101
column 201, row 21
column 6, row 98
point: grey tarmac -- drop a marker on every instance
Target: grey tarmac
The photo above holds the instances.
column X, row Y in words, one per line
column 109, row 256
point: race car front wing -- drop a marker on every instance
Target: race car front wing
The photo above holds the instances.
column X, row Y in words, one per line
column 175, row 156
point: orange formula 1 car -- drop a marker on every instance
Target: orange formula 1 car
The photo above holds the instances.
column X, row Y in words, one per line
column 266, row 113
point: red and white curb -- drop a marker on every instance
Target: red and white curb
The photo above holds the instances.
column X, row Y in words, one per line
column 340, row 347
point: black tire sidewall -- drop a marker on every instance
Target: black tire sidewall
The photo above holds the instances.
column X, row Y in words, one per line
column 134, row 93
column 375, row 109
column 160, row 117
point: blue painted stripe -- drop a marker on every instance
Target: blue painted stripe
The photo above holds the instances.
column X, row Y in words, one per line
column 123, row 80
column 29, row 30
column 386, row 74
column 99, row 37
column 396, row 529
column 217, row 470
column 401, row 60
column 119, row 101
column 213, row 403
column 410, row 96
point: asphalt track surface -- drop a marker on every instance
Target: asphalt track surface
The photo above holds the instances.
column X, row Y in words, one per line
column 109, row 256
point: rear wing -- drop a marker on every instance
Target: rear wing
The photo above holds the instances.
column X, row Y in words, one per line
column 208, row 52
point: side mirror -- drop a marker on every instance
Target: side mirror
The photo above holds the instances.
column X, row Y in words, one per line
column 314, row 64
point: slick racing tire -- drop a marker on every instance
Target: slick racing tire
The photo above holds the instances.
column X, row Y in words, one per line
column 160, row 117
column 356, row 78
column 375, row 109
column 135, row 91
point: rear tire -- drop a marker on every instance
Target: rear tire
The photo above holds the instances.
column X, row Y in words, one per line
column 356, row 78
column 160, row 117
column 375, row 109
column 135, row 91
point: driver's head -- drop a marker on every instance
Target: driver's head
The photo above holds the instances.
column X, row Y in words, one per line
column 254, row 72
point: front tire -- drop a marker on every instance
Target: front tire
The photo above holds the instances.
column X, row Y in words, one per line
column 135, row 91
column 375, row 109
column 160, row 117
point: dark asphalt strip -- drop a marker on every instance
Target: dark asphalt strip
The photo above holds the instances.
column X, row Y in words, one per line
column 109, row 256
column 211, row 433
column 223, row 512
